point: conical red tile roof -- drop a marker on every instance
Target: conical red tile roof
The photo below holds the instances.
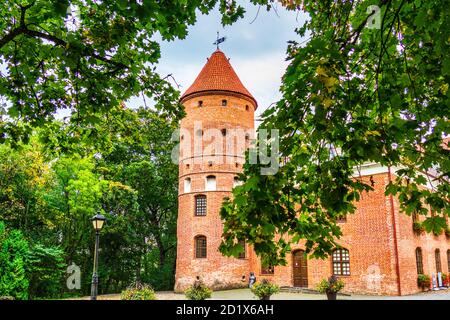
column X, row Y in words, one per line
column 218, row 75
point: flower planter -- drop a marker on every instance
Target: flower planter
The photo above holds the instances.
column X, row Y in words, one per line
column 331, row 295
column 265, row 298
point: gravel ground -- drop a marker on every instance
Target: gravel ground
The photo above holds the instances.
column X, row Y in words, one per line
column 245, row 294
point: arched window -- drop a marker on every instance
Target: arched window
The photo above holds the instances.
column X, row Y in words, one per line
column 448, row 260
column 224, row 132
column 210, row 183
column 200, row 205
column 246, row 107
column 187, row 185
column 437, row 256
column 242, row 255
column 341, row 262
column 419, row 261
column 200, row 247
column 224, row 103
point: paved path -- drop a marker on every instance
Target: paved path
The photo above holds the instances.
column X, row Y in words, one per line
column 245, row 294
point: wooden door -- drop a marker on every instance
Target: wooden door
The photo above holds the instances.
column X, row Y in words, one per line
column 300, row 269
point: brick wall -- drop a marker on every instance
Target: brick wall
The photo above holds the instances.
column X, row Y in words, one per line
column 215, row 270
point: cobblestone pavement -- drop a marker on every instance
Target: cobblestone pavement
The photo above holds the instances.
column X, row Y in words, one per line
column 245, row 294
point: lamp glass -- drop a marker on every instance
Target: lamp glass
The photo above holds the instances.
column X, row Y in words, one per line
column 98, row 221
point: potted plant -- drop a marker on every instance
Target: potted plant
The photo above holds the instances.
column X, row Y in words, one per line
column 138, row 292
column 198, row 291
column 423, row 281
column 331, row 287
column 265, row 289
column 445, row 280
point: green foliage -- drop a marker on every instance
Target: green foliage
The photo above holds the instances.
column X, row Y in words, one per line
column 418, row 227
column 14, row 250
column 264, row 289
column 46, row 270
column 138, row 292
column 88, row 57
column 51, row 194
column 351, row 95
column 331, row 285
column 198, row 291
column 423, row 281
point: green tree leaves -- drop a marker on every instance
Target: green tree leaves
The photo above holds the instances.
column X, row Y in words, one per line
column 351, row 95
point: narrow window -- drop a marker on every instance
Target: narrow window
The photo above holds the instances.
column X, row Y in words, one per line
column 448, row 260
column 210, row 183
column 187, row 166
column 200, row 247
column 437, row 256
column 419, row 261
column 246, row 107
column 200, row 205
column 242, row 254
column 224, row 103
column 341, row 262
column 200, row 103
column 187, row 185
column 224, row 132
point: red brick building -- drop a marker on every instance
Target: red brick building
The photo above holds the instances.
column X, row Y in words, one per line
column 382, row 255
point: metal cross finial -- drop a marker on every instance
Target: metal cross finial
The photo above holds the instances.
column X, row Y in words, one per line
column 219, row 40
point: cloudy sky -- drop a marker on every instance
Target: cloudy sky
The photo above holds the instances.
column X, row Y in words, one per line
column 256, row 50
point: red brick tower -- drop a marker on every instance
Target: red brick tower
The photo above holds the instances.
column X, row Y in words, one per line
column 219, row 116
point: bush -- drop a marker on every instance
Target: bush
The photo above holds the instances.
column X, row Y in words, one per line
column 198, row 291
column 332, row 285
column 14, row 250
column 423, row 281
column 138, row 292
column 265, row 289
column 45, row 271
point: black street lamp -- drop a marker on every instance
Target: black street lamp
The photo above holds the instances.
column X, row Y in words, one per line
column 97, row 221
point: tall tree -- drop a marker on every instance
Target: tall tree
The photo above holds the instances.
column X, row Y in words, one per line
column 370, row 85
column 87, row 56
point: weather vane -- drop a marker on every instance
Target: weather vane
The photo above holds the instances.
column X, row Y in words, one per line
column 219, row 40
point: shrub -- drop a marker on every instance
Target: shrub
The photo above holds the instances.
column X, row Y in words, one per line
column 198, row 291
column 45, row 271
column 138, row 292
column 332, row 285
column 265, row 289
column 423, row 281
column 14, row 250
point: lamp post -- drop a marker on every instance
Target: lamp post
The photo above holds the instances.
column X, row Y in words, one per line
column 97, row 221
